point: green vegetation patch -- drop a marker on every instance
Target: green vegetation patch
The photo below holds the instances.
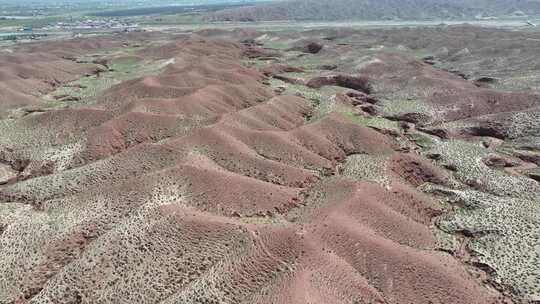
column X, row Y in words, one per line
column 275, row 43
column 523, row 124
column 445, row 241
column 523, row 143
column 375, row 122
column 423, row 140
column 366, row 167
column 310, row 62
column 323, row 98
column 527, row 80
column 466, row 158
column 10, row 211
column 502, row 216
column 505, row 236
column 400, row 107
column 85, row 90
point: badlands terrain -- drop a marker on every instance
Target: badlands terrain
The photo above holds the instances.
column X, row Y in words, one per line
column 251, row 166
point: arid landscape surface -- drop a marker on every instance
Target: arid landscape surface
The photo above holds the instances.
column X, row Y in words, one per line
column 379, row 10
column 330, row 165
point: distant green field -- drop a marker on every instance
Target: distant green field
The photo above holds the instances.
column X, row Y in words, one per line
column 164, row 10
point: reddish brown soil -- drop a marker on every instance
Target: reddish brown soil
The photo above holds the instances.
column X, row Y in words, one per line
column 276, row 69
column 417, row 170
column 503, row 126
column 310, row 46
column 199, row 186
column 451, row 96
column 359, row 83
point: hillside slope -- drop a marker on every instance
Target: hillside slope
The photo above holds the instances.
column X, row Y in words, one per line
column 379, row 10
column 327, row 166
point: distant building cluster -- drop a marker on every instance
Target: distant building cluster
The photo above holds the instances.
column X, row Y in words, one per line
column 90, row 24
column 21, row 36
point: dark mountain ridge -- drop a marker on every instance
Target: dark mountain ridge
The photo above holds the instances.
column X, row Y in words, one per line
column 379, row 10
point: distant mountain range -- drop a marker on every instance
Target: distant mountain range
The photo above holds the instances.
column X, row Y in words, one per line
column 328, row 10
